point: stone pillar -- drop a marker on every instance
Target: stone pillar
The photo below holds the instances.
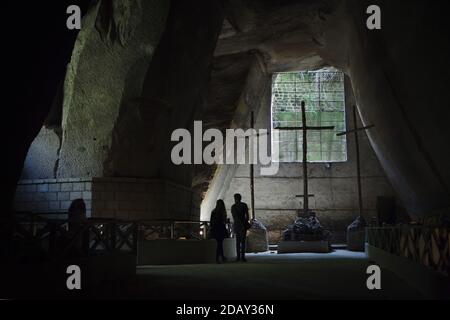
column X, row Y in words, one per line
column 104, row 84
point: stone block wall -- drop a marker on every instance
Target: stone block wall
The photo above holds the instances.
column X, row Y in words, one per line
column 52, row 195
column 120, row 198
column 141, row 199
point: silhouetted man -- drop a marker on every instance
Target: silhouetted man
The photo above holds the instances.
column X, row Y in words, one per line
column 241, row 224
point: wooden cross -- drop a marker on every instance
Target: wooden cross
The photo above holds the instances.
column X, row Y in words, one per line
column 252, row 168
column 252, row 171
column 305, row 128
column 355, row 130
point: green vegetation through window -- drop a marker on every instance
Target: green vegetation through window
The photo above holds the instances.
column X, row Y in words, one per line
column 324, row 94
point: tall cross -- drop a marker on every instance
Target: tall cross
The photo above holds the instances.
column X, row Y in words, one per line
column 355, row 130
column 252, row 171
column 252, row 166
column 305, row 128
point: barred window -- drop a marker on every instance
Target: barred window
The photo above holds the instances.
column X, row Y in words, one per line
column 324, row 94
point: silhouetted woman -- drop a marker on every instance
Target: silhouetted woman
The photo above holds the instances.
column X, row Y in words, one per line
column 218, row 229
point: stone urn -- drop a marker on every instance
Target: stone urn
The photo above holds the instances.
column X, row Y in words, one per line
column 356, row 235
column 257, row 238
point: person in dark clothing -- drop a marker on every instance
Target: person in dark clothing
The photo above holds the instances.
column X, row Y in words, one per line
column 241, row 224
column 77, row 233
column 218, row 229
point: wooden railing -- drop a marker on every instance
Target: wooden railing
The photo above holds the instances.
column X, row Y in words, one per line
column 30, row 237
column 427, row 246
column 174, row 229
column 39, row 239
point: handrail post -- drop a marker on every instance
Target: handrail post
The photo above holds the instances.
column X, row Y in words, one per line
column 135, row 227
column 172, row 231
column 113, row 230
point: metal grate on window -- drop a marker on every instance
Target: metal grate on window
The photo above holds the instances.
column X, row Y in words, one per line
column 324, row 94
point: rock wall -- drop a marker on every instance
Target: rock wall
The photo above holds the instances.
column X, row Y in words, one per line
column 34, row 66
column 176, row 87
column 253, row 96
column 399, row 75
column 229, row 76
column 106, row 75
column 42, row 156
column 138, row 71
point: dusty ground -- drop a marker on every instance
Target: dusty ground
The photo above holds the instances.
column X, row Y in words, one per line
column 338, row 275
